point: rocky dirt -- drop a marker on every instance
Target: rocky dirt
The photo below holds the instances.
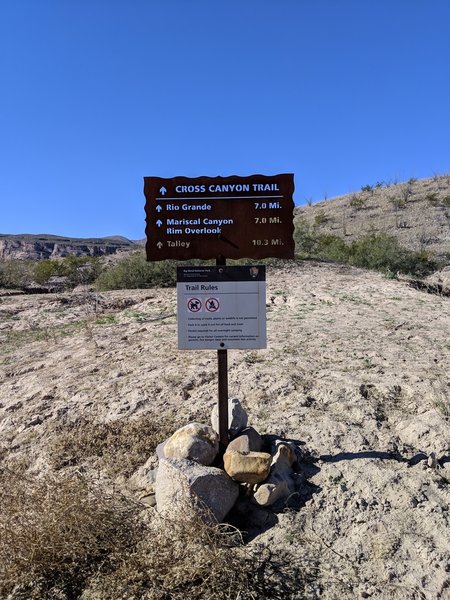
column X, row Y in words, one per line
column 357, row 370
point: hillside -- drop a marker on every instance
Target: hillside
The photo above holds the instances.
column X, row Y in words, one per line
column 41, row 246
column 416, row 212
column 356, row 372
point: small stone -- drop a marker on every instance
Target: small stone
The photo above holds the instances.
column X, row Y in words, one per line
column 149, row 500
column 248, row 441
column 432, row 462
column 268, row 493
column 249, row 467
column 193, row 442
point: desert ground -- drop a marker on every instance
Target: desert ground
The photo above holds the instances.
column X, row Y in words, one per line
column 357, row 371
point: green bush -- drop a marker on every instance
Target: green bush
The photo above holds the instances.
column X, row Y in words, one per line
column 332, row 247
column 321, row 218
column 305, row 239
column 77, row 269
column 15, row 273
column 81, row 269
column 357, row 201
column 381, row 252
column 45, row 269
column 135, row 272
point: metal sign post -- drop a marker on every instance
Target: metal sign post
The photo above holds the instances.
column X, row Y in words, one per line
column 222, row 373
column 222, row 364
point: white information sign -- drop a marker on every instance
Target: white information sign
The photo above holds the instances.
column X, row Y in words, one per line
column 221, row 308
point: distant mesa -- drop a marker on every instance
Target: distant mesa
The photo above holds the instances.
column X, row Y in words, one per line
column 41, row 246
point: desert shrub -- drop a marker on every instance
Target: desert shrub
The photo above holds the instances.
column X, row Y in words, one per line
column 55, row 531
column 367, row 188
column 332, row 247
column 357, row 201
column 47, row 268
column 432, row 198
column 397, row 203
column 81, row 269
column 15, row 273
column 321, row 218
column 381, row 252
column 376, row 251
column 118, row 446
column 135, row 272
column 77, row 269
column 305, row 239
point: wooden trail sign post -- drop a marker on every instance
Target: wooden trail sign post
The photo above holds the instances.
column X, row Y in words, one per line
column 219, row 218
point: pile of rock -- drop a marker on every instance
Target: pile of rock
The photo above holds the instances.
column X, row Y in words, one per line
column 191, row 472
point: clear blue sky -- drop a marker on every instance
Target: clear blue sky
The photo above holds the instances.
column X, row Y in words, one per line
column 97, row 94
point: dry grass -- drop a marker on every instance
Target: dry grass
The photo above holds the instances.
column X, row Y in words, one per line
column 56, row 531
column 119, row 447
column 63, row 538
column 185, row 558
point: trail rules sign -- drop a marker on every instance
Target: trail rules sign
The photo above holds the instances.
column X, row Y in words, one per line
column 221, row 307
column 219, row 217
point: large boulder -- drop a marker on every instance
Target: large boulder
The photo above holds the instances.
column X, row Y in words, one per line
column 237, row 418
column 249, row 467
column 195, row 442
column 182, row 483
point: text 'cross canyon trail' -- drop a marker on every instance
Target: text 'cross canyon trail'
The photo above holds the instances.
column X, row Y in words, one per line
column 211, row 217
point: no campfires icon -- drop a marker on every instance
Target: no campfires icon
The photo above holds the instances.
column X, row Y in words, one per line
column 212, row 305
column 194, row 304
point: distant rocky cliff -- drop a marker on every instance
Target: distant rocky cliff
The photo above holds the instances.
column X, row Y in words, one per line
column 37, row 247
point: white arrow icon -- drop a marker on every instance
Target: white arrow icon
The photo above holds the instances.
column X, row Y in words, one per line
column 158, row 208
column 163, row 190
column 159, row 222
column 159, row 244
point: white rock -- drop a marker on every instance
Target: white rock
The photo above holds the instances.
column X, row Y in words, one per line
column 237, row 417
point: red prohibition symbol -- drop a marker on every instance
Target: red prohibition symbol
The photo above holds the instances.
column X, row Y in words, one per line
column 194, row 304
column 212, row 305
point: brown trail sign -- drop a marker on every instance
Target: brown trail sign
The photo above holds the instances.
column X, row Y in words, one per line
column 210, row 217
